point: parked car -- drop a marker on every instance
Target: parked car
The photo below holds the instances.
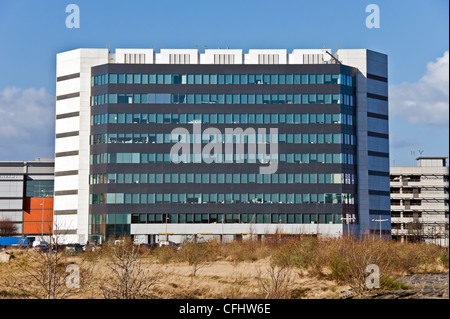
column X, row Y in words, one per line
column 148, row 246
column 58, row 247
column 42, row 248
column 166, row 243
column 74, row 248
column 90, row 247
column 37, row 243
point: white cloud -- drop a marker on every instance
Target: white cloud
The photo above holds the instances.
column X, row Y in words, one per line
column 27, row 121
column 427, row 100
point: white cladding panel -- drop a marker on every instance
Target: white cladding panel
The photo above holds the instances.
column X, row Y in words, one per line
column 177, row 56
column 221, row 56
column 11, row 188
column 68, row 106
column 7, row 204
column 134, row 56
column 66, row 183
column 65, row 125
column 266, row 57
column 66, row 144
column 16, row 216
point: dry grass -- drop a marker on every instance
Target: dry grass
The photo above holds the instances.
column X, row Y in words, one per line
column 304, row 268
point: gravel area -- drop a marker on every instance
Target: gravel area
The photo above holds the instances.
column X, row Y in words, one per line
column 423, row 286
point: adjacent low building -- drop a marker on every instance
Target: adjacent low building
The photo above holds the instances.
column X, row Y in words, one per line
column 419, row 201
column 26, row 196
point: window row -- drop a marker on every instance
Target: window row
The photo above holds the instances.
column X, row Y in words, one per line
column 222, row 178
column 168, row 138
column 214, row 218
column 222, row 118
column 168, row 198
column 142, row 158
column 173, row 98
column 234, row 218
column 129, row 78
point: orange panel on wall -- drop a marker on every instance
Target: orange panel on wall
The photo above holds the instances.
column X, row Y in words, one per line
column 36, row 203
column 32, row 215
column 35, row 215
column 36, row 228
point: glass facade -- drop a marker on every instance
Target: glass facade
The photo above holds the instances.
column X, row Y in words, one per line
column 222, row 118
column 168, row 138
column 290, row 158
column 221, row 178
column 38, row 188
column 218, row 198
column 190, row 98
column 135, row 180
column 221, row 79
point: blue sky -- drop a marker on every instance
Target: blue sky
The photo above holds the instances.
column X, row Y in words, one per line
column 414, row 34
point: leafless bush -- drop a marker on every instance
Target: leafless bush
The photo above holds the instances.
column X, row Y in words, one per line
column 300, row 253
column 128, row 278
column 8, row 228
column 348, row 259
column 418, row 257
column 45, row 275
column 196, row 255
column 165, row 254
column 248, row 250
column 277, row 285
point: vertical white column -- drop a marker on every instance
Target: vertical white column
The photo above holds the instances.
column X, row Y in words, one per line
column 73, row 111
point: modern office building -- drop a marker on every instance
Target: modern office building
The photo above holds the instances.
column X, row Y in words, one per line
column 26, row 196
column 419, row 201
column 124, row 120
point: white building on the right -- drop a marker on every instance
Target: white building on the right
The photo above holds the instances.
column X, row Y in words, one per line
column 419, row 201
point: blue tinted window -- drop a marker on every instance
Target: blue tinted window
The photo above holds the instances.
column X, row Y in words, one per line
column 113, row 78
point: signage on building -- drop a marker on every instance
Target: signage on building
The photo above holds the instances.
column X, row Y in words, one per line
column 432, row 177
column 9, row 177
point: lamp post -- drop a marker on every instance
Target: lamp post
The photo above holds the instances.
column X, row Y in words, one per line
column 347, row 221
column 223, row 218
column 43, row 208
column 380, row 220
column 167, row 234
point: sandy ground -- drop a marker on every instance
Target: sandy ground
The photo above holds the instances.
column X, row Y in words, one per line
column 215, row 280
column 225, row 278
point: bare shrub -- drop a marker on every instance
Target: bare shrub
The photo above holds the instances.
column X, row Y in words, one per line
column 248, row 250
column 443, row 256
column 196, row 255
column 299, row 253
column 275, row 282
column 46, row 275
column 128, row 278
column 8, row 228
column 165, row 254
column 348, row 259
column 417, row 257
